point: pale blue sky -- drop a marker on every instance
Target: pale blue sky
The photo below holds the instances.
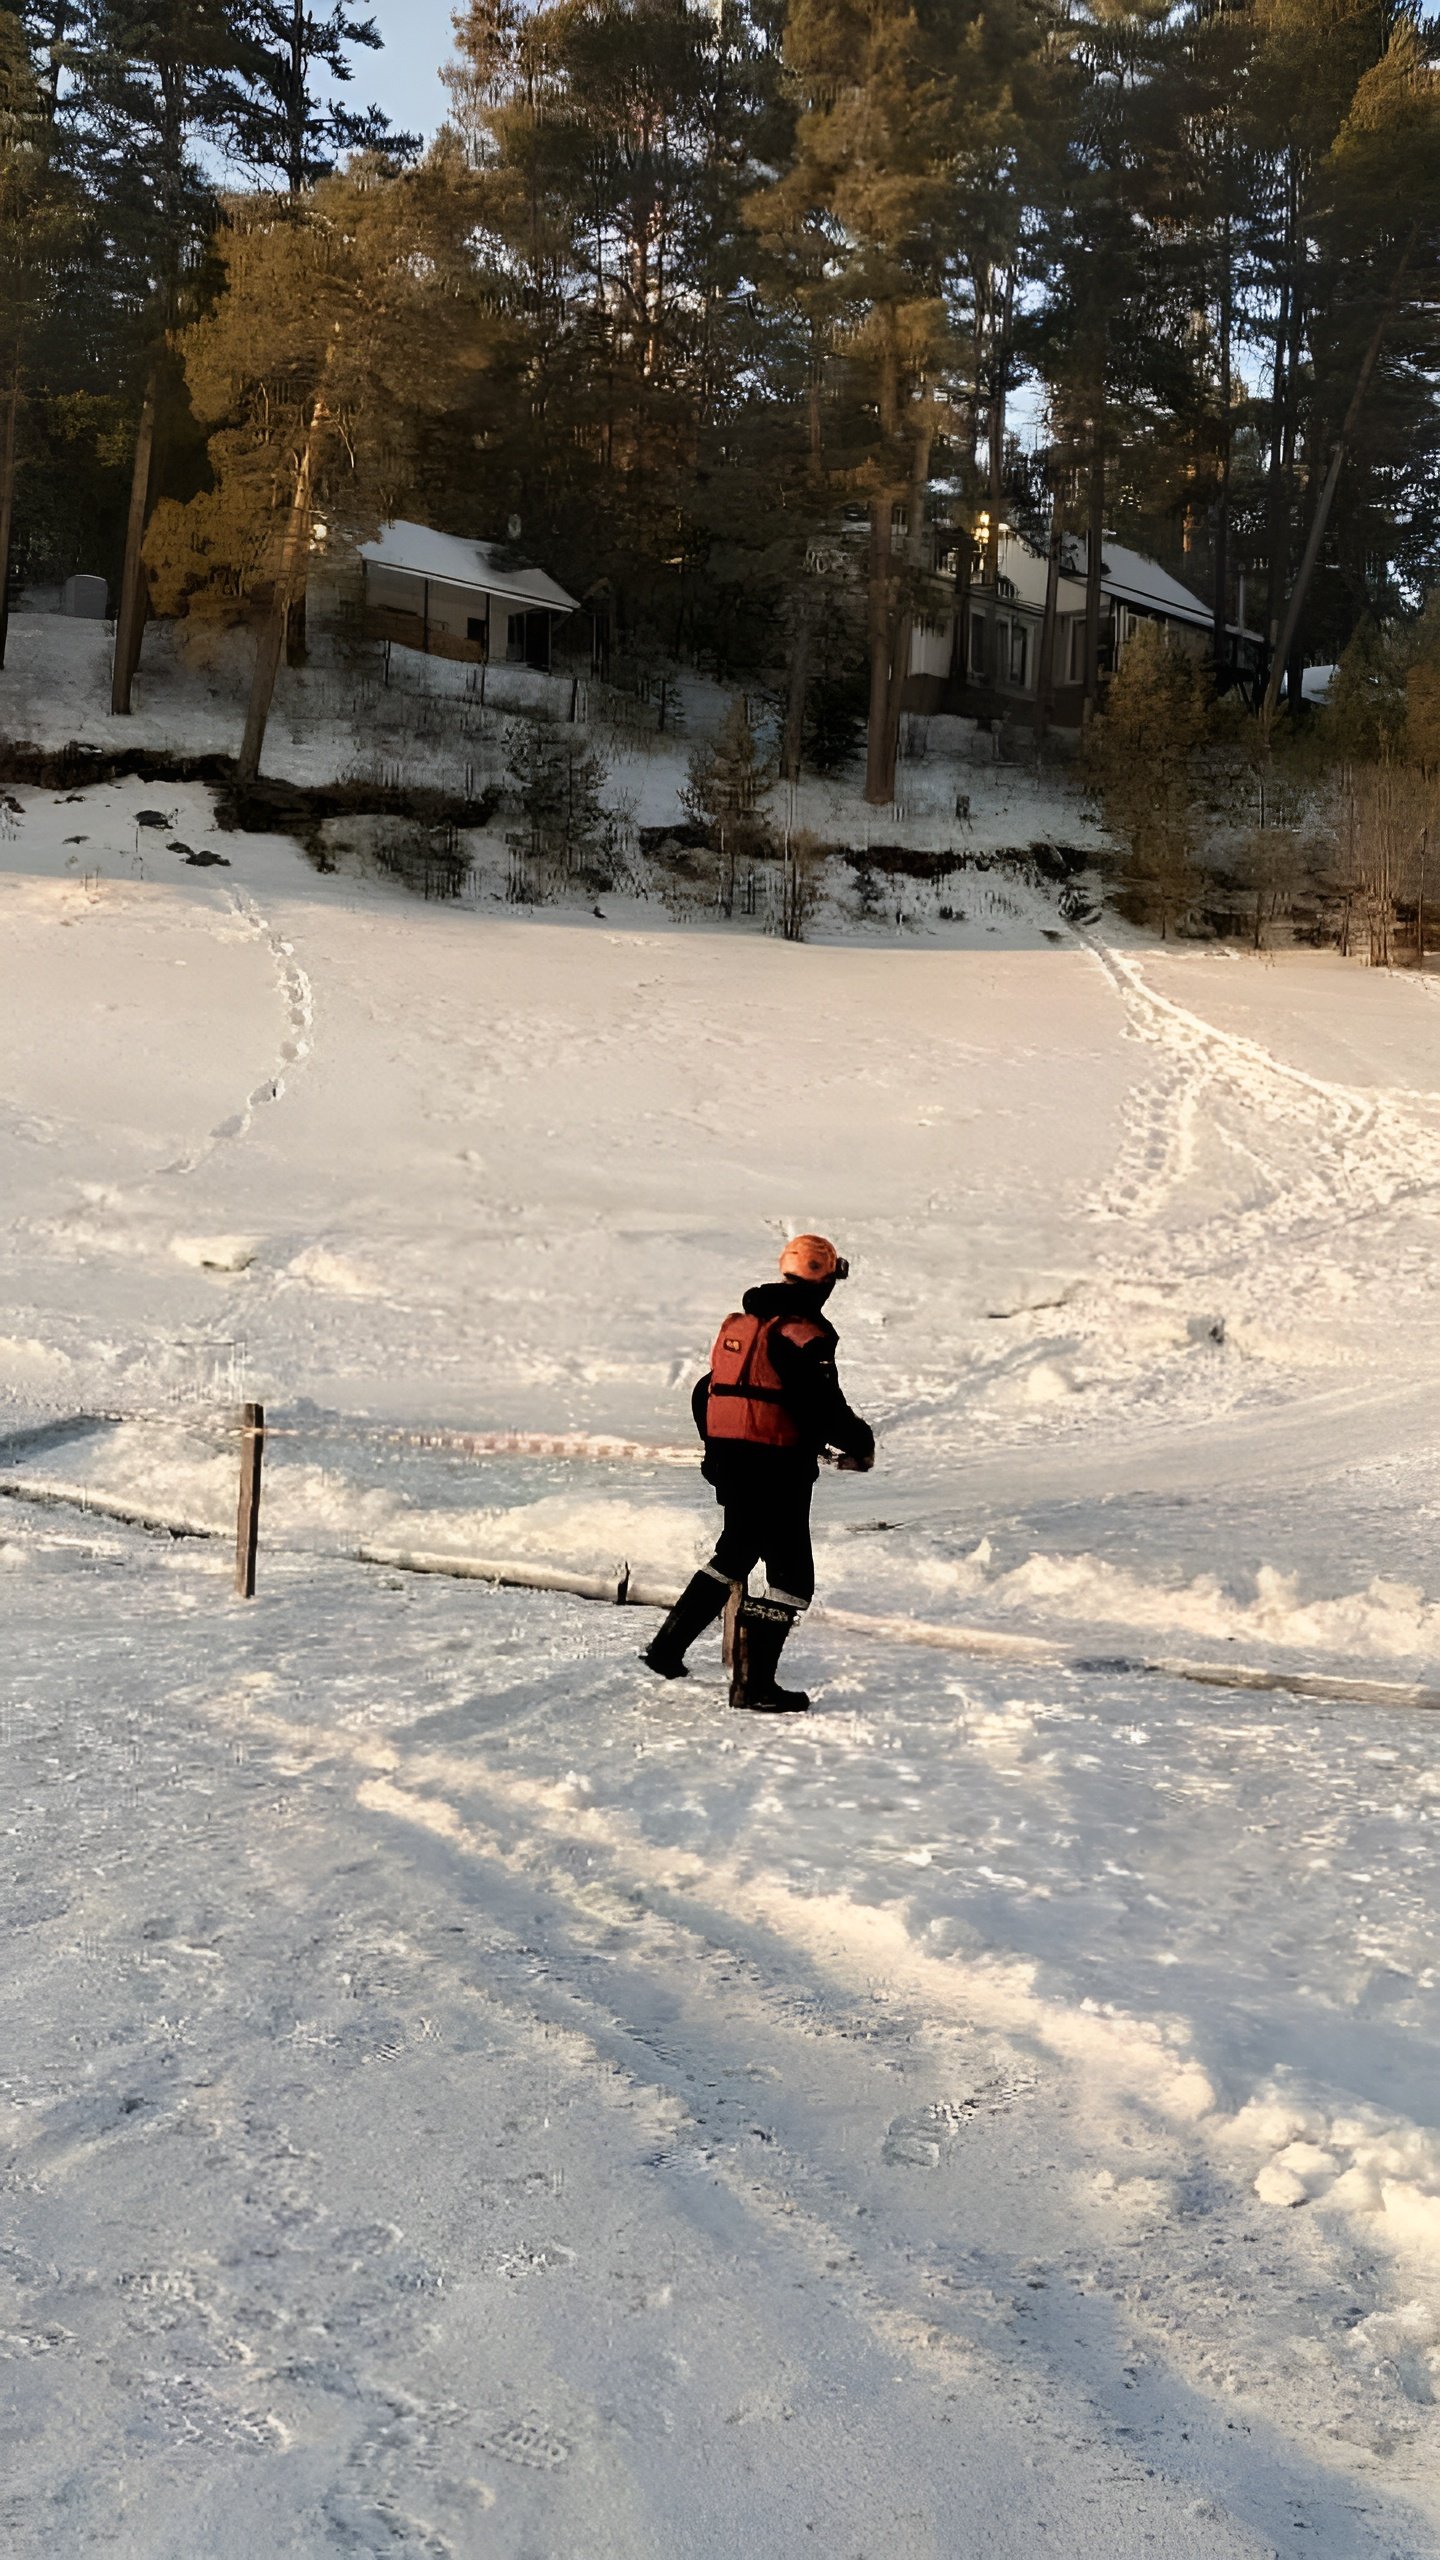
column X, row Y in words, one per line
column 405, row 78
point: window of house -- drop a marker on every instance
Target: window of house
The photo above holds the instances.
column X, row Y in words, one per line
column 977, row 644
column 1019, row 653
column 515, row 639
column 477, row 628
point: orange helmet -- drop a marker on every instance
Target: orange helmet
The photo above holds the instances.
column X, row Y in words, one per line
column 813, row 1258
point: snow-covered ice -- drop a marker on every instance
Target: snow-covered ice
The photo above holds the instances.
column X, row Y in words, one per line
column 459, row 2098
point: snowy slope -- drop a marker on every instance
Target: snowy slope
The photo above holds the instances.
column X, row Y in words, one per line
column 458, row 2099
column 419, row 722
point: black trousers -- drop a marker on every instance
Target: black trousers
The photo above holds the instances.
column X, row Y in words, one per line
column 766, row 1502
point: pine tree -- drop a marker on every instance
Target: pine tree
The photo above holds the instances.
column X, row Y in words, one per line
column 610, row 146
column 906, row 112
column 66, row 304
column 1290, row 125
column 284, row 123
column 557, row 779
column 1113, row 334
column 1365, row 706
column 1141, row 762
column 1421, row 734
column 344, row 324
column 32, row 218
column 158, row 86
column 728, row 780
column 1380, row 239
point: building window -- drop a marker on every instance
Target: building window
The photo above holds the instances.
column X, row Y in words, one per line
column 515, row 639
column 977, row 644
column 477, row 628
column 1019, row 653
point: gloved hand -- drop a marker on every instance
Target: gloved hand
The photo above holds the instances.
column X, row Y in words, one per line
column 857, row 1462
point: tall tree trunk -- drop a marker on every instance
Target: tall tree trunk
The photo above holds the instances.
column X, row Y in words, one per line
column 297, row 638
column 1287, row 634
column 296, row 103
column 1045, row 669
column 895, row 700
column 1282, row 416
column 1002, row 319
column 797, row 677
column 816, row 358
column 271, row 640
column 9, row 466
column 131, row 602
column 915, row 538
column 879, row 763
column 960, row 635
column 1220, row 608
column 965, row 549
column 879, row 745
column 1094, row 550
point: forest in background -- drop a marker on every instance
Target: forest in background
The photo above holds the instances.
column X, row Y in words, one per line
column 752, row 322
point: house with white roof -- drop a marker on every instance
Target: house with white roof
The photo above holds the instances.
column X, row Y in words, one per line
column 992, row 665
column 456, row 598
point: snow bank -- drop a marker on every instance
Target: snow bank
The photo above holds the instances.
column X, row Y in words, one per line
column 1373, row 2169
column 662, row 1526
column 1384, row 1621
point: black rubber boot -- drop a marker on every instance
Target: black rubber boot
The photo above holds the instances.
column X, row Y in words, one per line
column 760, row 1634
column 697, row 1608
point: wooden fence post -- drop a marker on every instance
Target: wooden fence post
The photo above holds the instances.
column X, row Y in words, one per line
column 247, row 1526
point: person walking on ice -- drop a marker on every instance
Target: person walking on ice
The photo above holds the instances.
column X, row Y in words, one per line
column 768, row 1405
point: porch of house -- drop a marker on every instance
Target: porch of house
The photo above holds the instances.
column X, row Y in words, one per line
column 464, row 623
column 985, row 664
column 991, row 670
column 454, row 598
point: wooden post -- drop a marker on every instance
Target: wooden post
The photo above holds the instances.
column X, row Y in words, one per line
column 733, row 1607
column 247, row 1527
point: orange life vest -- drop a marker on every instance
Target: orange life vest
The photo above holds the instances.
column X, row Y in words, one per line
column 747, row 1398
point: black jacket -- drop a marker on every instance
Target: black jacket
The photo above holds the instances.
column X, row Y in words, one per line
column 807, row 1372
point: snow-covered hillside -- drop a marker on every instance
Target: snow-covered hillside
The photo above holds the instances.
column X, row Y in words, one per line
column 456, row 2098
column 424, row 722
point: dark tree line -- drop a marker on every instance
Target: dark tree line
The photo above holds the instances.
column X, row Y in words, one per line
column 758, row 318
